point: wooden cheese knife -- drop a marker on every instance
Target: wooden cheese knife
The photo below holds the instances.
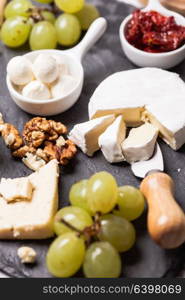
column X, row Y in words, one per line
column 176, row 5
column 166, row 220
column 2, row 5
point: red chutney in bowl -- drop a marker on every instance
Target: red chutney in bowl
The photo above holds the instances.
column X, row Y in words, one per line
column 152, row 32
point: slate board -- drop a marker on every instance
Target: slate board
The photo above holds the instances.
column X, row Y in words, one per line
column 146, row 259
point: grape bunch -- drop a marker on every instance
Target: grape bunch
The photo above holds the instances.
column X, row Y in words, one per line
column 95, row 228
column 43, row 27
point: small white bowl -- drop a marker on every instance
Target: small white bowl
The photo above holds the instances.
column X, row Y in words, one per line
column 73, row 58
column 56, row 105
column 141, row 58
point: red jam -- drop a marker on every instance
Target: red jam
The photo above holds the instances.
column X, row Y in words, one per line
column 152, row 32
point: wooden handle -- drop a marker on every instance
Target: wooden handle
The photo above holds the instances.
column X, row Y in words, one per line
column 176, row 5
column 166, row 220
column 2, row 5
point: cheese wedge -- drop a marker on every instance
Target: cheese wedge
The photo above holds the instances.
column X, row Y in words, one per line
column 17, row 189
column 170, row 121
column 32, row 219
column 110, row 141
column 132, row 93
column 85, row 135
column 140, row 143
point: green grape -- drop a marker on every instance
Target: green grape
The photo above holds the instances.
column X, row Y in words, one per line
column 78, row 195
column 75, row 216
column 131, row 203
column 18, row 8
column 43, row 36
column 102, row 261
column 15, row 31
column 44, row 1
column 65, row 255
column 87, row 15
column 70, row 6
column 48, row 16
column 118, row 231
column 102, row 192
column 68, row 29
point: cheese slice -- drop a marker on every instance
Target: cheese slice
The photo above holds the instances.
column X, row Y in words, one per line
column 140, row 143
column 170, row 121
column 131, row 93
column 85, row 135
column 32, row 219
column 17, row 189
column 110, row 141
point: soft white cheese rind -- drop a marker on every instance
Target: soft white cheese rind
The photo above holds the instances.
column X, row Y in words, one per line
column 85, row 135
column 110, row 141
column 33, row 219
column 170, row 120
column 140, row 143
column 132, row 92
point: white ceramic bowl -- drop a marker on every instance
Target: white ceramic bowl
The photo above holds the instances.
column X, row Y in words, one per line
column 73, row 58
column 141, row 58
column 56, row 105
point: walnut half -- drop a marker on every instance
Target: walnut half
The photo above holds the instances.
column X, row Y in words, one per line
column 62, row 153
column 42, row 141
column 11, row 136
column 38, row 129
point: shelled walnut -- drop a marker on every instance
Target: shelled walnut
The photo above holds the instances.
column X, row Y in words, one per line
column 11, row 136
column 21, row 152
column 42, row 141
column 63, row 154
column 38, row 130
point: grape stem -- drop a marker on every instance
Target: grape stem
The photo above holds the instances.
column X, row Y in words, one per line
column 54, row 8
column 36, row 13
column 92, row 231
column 80, row 232
column 89, row 232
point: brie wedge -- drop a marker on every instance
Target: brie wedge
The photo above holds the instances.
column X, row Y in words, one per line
column 85, row 135
column 140, row 143
column 110, row 141
column 32, row 219
column 159, row 93
column 170, row 120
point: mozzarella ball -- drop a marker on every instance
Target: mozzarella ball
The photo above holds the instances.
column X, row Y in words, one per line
column 63, row 86
column 45, row 68
column 63, row 67
column 19, row 70
column 36, row 90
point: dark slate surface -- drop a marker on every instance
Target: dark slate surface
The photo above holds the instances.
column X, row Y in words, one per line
column 146, row 259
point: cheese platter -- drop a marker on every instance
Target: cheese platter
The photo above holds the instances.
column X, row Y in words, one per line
column 146, row 258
